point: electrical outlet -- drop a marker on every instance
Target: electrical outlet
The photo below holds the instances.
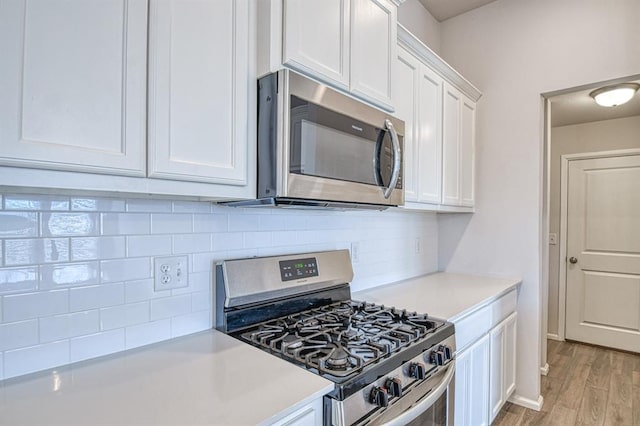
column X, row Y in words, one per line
column 170, row 272
column 355, row 252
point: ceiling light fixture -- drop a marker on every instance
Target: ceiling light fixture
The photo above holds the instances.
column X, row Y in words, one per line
column 615, row 95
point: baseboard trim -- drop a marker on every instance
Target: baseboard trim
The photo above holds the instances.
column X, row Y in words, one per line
column 544, row 370
column 526, row 402
column 551, row 336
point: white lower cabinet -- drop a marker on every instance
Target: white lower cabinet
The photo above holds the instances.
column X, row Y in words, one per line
column 486, row 362
column 308, row 415
column 503, row 373
column 471, row 391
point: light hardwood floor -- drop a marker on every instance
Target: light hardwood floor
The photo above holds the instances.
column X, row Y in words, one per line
column 586, row 385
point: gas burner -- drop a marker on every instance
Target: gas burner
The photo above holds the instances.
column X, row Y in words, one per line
column 337, row 359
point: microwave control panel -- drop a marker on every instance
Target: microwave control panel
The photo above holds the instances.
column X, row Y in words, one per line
column 298, row 268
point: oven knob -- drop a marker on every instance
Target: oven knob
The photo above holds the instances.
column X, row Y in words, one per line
column 417, row 371
column 394, row 387
column 437, row 357
column 379, row 396
column 447, row 352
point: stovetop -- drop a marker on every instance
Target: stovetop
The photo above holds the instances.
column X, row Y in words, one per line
column 342, row 339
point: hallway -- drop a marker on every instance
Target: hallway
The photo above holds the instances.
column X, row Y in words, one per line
column 586, row 385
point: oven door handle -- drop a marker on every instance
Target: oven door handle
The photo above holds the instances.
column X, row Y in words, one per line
column 423, row 405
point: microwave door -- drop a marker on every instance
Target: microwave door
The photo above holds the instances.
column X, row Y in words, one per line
column 387, row 160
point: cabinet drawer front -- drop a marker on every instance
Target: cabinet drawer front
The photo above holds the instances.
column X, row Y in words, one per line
column 503, row 307
column 472, row 327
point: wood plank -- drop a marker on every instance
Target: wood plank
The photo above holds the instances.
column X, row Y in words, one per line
column 636, row 378
column 584, row 354
column 558, row 366
column 593, row 407
column 573, row 387
column 620, row 405
column 550, row 390
column 561, row 415
column 506, row 418
column 535, row 418
column 635, row 402
column 600, row 370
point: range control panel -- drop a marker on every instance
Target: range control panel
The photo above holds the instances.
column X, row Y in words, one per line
column 298, row 268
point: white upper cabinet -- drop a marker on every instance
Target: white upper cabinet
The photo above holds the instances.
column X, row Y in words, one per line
column 438, row 107
column 198, row 90
column 418, row 99
column 373, row 49
column 73, row 85
column 348, row 44
column 317, row 38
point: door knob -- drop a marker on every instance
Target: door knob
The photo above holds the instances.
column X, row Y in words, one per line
column 573, row 260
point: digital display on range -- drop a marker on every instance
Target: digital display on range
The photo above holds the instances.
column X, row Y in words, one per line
column 298, row 268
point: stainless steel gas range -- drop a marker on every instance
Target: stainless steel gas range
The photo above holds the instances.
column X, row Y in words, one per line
column 389, row 366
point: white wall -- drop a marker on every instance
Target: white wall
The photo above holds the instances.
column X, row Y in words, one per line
column 76, row 275
column 514, row 50
column 414, row 17
column 608, row 135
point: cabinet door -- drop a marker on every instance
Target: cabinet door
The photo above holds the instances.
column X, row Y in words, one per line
column 373, row 49
column 503, row 364
column 405, row 99
column 451, row 146
column 73, row 85
column 430, row 137
column 472, row 376
column 198, row 84
column 467, row 152
column 309, row 415
column 316, row 38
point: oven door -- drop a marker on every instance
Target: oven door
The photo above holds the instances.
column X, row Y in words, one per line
column 428, row 404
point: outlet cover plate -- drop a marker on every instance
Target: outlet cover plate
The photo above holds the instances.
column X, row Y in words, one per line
column 170, row 272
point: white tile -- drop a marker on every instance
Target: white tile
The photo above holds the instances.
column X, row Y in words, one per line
column 140, row 290
column 35, row 358
column 68, row 275
column 148, row 245
column 18, row 334
column 244, row 222
column 125, row 269
column 281, row 222
column 140, row 205
column 227, row 241
column 69, row 325
column 95, row 345
column 18, row 224
column 125, row 223
column 17, row 307
column 85, row 298
column 210, row 223
column 175, row 223
column 97, row 204
column 191, row 207
column 201, row 301
column 198, row 281
column 257, row 239
column 1, row 355
column 191, row 323
column 170, row 306
column 191, row 243
column 1, row 255
column 203, row 262
column 97, row 248
column 14, row 280
column 35, row 202
column 144, row 334
column 284, row 238
column 69, row 224
column 124, row 315
column 25, row 251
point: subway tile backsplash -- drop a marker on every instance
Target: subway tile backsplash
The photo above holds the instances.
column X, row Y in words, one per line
column 76, row 273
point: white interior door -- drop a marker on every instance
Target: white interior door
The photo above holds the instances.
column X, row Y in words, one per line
column 603, row 252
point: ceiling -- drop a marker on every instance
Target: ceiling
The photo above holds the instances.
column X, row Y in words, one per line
column 445, row 9
column 578, row 107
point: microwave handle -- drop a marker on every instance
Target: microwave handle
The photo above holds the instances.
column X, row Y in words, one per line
column 395, row 174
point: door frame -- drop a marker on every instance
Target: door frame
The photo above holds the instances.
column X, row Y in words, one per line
column 562, row 234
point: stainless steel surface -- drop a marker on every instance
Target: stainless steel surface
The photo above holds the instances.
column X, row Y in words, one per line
column 397, row 158
column 258, row 279
column 352, row 409
column 573, row 260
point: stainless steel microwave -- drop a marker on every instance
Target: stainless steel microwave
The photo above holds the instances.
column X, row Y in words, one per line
column 321, row 148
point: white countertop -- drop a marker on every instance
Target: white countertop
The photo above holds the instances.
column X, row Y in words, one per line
column 204, row 378
column 441, row 295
